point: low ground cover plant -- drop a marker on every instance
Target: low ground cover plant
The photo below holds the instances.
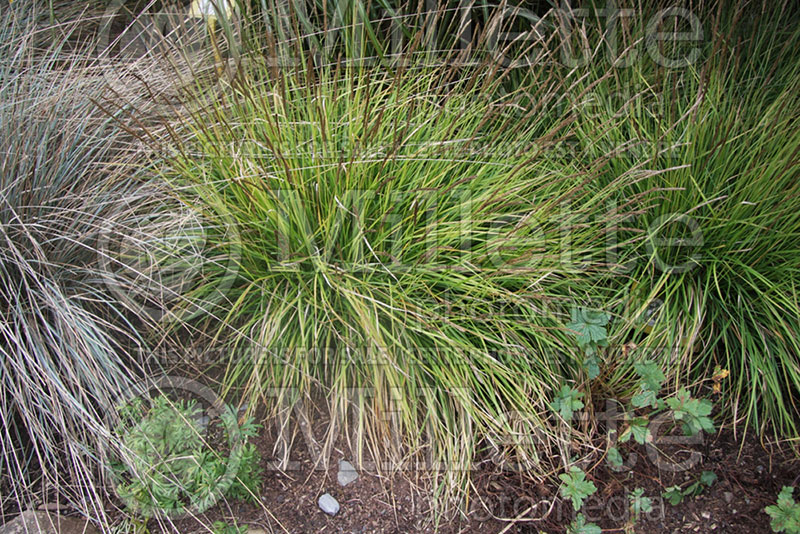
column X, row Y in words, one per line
column 167, row 466
column 785, row 514
column 675, row 494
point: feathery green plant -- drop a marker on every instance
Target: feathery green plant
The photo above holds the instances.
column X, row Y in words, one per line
column 167, row 466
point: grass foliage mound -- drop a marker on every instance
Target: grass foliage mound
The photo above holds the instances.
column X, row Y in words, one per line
column 399, row 245
column 66, row 346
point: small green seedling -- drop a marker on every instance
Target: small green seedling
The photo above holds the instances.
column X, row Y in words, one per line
column 652, row 378
column 786, row 513
column 675, row 494
column 692, row 413
column 645, row 398
column 706, row 480
column 221, row 527
column 580, row 526
column 638, row 430
column 639, row 503
column 589, row 328
column 576, row 487
column 567, row 402
column 614, row 457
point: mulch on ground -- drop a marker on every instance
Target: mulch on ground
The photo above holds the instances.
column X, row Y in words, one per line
column 749, row 476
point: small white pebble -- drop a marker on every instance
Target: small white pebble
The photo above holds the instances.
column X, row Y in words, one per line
column 328, row 504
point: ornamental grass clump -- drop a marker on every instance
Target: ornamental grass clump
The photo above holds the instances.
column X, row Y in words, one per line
column 394, row 240
column 68, row 347
column 712, row 137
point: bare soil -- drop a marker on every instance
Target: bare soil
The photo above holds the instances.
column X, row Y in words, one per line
column 749, row 477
